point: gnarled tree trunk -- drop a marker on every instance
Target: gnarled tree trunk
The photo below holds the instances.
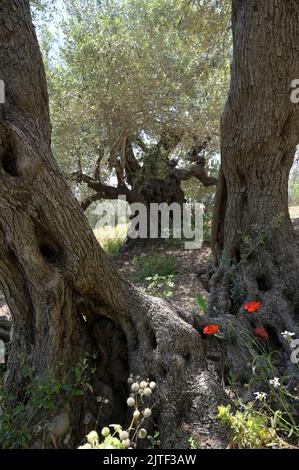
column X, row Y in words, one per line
column 65, row 297
column 253, row 237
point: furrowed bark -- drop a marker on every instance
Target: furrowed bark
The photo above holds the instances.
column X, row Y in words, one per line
column 65, row 297
column 253, row 238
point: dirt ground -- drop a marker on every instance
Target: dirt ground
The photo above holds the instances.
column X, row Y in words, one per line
column 190, row 263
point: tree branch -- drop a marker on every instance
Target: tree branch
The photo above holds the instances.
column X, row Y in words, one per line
column 196, row 171
column 104, row 191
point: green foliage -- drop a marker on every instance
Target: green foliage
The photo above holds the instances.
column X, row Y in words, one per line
column 155, row 440
column 149, row 266
column 111, row 239
column 250, row 429
column 45, row 395
column 192, row 442
column 113, row 246
column 269, row 420
column 159, row 286
column 156, row 273
column 201, row 303
column 136, row 68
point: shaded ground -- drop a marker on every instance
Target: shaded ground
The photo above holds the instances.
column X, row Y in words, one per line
column 186, row 280
column 190, row 278
column 193, row 266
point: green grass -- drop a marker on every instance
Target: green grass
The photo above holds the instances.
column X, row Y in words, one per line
column 154, row 265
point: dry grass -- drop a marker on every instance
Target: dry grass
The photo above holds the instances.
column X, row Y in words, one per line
column 294, row 212
column 111, row 238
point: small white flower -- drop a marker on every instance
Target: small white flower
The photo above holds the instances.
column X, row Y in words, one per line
column 130, row 380
column 274, row 382
column 148, row 392
column 261, row 396
column 130, row 401
column 152, row 385
column 147, row 412
column 126, row 443
column 99, row 399
column 136, row 414
column 135, row 387
column 93, row 438
column 124, row 435
column 85, row 446
column 143, row 384
column 142, row 433
column 287, row 335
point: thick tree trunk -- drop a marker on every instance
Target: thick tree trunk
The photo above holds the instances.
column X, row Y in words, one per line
column 157, row 181
column 65, row 297
column 253, row 237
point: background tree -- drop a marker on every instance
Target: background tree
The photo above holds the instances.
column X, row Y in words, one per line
column 65, row 297
column 136, row 95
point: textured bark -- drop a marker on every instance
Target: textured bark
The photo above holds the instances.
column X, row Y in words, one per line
column 65, row 297
column 259, row 136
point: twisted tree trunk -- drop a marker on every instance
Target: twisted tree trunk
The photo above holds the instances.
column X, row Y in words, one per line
column 65, row 297
column 253, row 237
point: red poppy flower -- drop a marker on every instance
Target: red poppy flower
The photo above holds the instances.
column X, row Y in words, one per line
column 253, row 306
column 261, row 333
column 210, row 329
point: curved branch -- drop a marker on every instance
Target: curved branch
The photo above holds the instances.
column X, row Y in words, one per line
column 196, row 171
column 104, row 191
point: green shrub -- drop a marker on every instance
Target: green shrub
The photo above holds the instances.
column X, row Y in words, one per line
column 113, row 246
column 46, row 394
column 159, row 286
column 150, row 265
column 250, row 429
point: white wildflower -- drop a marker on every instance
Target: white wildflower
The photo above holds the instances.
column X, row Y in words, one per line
column 261, row 396
column 135, row 387
column 124, row 435
column 93, row 438
column 274, row 382
column 126, row 443
column 130, row 401
column 287, row 335
column 147, row 412
column 85, row 446
column 142, row 433
column 148, row 392
column 152, row 385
